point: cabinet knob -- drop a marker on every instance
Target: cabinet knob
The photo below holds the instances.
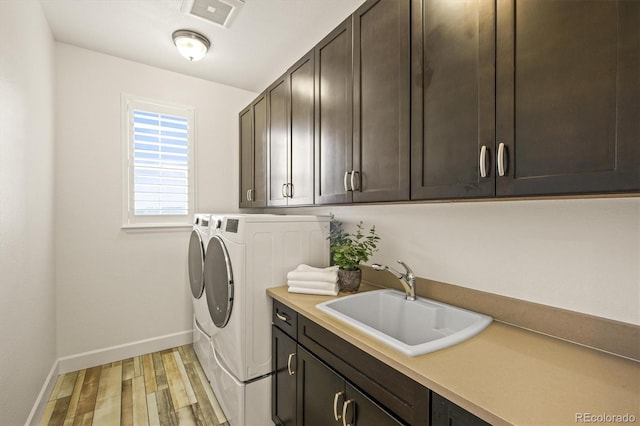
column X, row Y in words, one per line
column 502, row 165
column 336, row 397
column 346, row 184
column 355, row 184
column 282, row 317
column 287, row 190
column 291, row 357
column 483, row 161
column 345, row 407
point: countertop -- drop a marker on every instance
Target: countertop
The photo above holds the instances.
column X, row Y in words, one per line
column 506, row 375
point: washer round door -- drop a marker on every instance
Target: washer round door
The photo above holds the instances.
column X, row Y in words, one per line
column 196, row 264
column 218, row 282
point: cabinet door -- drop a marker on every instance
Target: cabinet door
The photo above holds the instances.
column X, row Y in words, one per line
column 402, row 396
column 259, row 193
column 253, row 153
column 246, row 156
column 568, row 96
column 361, row 411
column 446, row 413
column 381, row 100
column 278, row 137
column 317, row 390
column 284, row 380
column 334, row 132
column 453, row 105
column 302, row 121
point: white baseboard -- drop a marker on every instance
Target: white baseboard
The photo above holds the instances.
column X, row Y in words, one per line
column 43, row 396
column 120, row 352
column 99, row 357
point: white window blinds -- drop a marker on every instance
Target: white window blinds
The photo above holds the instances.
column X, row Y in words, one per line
column 159, row 157
column 161, row 164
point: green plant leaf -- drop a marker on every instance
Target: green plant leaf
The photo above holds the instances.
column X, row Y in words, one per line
column 349, row 250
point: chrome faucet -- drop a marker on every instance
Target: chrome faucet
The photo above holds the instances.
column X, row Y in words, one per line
column 408, row 280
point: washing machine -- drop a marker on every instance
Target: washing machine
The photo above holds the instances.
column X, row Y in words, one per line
column 248, row 254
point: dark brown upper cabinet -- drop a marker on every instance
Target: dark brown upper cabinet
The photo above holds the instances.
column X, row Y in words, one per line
column 381, row 101
column 333, row 130
column 453, row 99
column 302, row 131
column 363, row 106
column 290, row 117
column 253, row 154
column 278, row 142
column 246, row 156
column 441, row 99
column 568, row 97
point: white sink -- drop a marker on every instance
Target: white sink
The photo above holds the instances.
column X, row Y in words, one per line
column 411, row 327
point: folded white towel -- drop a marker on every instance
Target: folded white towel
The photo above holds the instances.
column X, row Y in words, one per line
column 319, row 285
column 307, row 268
column 333, row 292
column 309, row 273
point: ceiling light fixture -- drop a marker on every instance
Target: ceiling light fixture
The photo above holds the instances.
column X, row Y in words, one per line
column 190, row 44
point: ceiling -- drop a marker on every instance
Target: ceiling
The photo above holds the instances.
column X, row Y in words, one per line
column 265, row 36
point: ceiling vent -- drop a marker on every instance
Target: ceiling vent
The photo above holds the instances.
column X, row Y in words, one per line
column 220, row 12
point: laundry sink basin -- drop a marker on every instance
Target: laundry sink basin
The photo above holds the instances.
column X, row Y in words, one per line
column 411, row 327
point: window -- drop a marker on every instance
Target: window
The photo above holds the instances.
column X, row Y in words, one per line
column 158, row 163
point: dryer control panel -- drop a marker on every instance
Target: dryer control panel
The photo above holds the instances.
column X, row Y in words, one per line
column 232, row 226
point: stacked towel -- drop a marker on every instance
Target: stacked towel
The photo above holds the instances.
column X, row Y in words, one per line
column 310, row 280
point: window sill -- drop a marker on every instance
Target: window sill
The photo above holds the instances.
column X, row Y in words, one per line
column 150, row 227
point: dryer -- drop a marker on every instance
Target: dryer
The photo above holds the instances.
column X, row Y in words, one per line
column 248, row 254
column 204, row 226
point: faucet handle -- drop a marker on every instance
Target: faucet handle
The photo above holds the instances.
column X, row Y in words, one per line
column 406, row 267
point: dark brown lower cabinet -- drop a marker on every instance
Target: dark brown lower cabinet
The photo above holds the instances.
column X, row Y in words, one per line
column 325, row 398
column 284, row 379
column 360, row 410
column 323, row 380
column 308, row 392
column 318, row 387
column 446, row 413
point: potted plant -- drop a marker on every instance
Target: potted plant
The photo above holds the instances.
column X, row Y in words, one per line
column 348, row 251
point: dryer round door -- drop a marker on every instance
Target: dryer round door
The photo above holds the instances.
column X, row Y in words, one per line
column 196, row 264
column 218, row 281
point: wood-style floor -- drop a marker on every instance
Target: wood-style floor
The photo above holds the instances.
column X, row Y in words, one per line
column 163, row 388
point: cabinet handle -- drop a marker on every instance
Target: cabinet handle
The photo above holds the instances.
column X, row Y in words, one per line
column 290, row 190
column 335, row 405
column 346, row 185
column 345, row 406
column 284, row 194
column 291, row 356
column 282, row 317
column 355, row 187
column 248, row 195
column 483, row 161
column 501, row 159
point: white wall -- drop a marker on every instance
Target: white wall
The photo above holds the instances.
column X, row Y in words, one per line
column 581, row 255
column 27, row 301
column 116, row 287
